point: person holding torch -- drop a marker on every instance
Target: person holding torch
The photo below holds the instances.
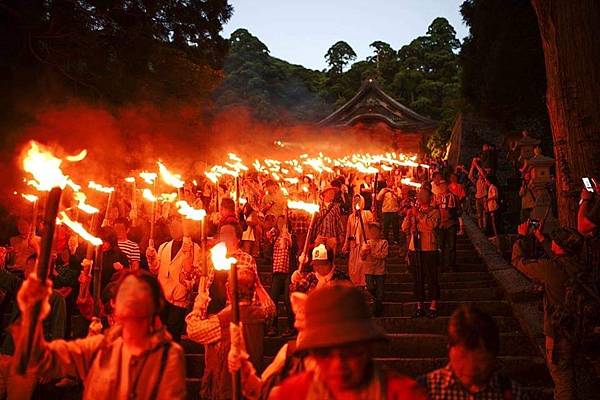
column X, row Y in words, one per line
column 174, row 263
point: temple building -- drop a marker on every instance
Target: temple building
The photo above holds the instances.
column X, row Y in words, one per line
column 377, row 115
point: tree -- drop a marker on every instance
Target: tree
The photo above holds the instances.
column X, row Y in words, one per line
column 338, row 56
column 272, row 89
column 571, row 43
column 114, row 51
column 502, row 65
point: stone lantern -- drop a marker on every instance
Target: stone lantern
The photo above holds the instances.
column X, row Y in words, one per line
column 539, row 166
column 525, row 145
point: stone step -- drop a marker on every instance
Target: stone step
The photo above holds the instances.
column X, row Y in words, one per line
column 529, row 371
column 450, row 294
column 423, row 325
column 402, row 344
column 445, row 308
column 405, row 277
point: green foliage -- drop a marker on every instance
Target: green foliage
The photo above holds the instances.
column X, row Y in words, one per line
column 114, row 51
column 423, row 75
column 503, row 71
column 338, row 56
column 272, row 89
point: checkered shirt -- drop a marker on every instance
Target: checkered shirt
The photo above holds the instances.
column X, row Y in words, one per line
column 330, row 222
column 442, row 384
column 281, row 253
column 300, row 222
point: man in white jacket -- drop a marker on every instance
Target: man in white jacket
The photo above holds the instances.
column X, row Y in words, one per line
column 175, row 264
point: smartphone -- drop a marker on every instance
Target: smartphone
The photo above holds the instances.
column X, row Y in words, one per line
column 588, row 184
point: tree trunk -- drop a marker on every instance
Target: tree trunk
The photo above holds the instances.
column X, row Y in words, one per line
column 571, row 42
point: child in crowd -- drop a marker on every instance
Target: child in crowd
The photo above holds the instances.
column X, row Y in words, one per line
column 375, row 255
column 282, row 244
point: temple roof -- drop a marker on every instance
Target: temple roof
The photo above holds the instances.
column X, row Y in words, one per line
column 371, row 104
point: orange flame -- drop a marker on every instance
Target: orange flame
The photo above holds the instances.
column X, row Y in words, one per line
column 189, row 212
column 147, row 194
column 130, row 179
column 82, row 205
column 408, row 182
column 76, row 227
column 218, row 255
column 100, row 188
column 169, row 178
column 310, row 208
column 44, row 167
column 32, row 198
column 148, row 177
column 77, row 157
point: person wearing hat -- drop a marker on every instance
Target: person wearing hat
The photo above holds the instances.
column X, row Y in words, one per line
column 340, row 335
column 323, row 272
column 554, row 273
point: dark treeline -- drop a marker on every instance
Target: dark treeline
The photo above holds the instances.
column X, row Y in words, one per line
column 116, row 53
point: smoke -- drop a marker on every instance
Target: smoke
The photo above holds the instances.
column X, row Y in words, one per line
column 188, row 139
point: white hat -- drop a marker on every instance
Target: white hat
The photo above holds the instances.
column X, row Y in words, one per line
column 319, row 253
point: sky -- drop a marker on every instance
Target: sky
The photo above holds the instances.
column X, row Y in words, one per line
column 301, row 31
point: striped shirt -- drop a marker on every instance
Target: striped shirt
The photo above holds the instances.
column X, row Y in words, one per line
column 131, row 250
column 330, row 221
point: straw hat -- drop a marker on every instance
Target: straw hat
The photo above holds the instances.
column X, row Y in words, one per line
column 338, row 315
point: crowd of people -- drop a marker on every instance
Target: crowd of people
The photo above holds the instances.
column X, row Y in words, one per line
column 154, row 292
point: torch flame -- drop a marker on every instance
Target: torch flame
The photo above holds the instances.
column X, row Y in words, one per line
column 147, row 194
column 77, row 157
column 44, row 167
column 218, row 255
column 190, row 212
column 169, row 178
column 408, row 182
column 100, row 188
column 300, row 205
column 76, row 227
column 148, row 177
column 82, row 205
column 130, row 179
column 30, row 197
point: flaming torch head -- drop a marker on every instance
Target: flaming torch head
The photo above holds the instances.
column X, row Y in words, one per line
column 169, row 178
column 310, row 208
column 147, row 194
column 189, row 212
column 148, row 177
column 218, row 255
column 130, row 179
column 32, row 198
column 44, row 167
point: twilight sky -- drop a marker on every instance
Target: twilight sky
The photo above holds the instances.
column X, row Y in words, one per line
column 301, row 31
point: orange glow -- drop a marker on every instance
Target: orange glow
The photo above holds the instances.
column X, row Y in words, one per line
column 82, row 205
column 44, row 167
column 310, row 208
column 77, row 157
column 147, row 194
column 32, row 198
column 408, row 182
column 148, row 177
column 130, row 179
column 190, row 212
column 100, row 188
column 76, row 227
column 218, row 255
column 169, row 178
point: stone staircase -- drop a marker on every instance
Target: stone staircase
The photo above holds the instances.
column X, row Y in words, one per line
column 419, row 346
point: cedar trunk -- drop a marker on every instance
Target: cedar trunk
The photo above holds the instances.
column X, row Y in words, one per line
column 571, row 40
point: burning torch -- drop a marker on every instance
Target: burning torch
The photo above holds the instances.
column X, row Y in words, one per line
column 223, row 263
column 312, row 209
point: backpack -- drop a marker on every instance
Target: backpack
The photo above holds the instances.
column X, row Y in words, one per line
column 577, row 318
